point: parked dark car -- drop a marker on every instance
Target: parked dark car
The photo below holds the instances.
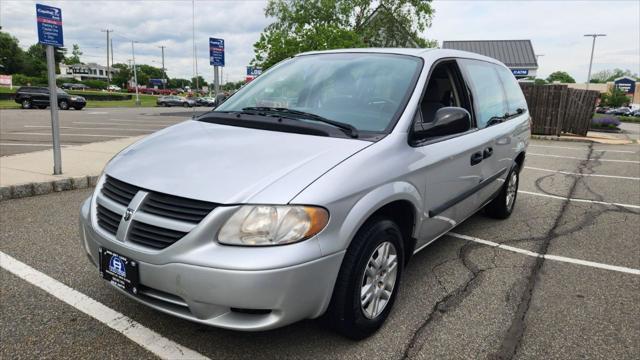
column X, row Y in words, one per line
column 172, row 100
column 38, row 97
column 72, row 86
column 636, row 113
column 602, row 109
column 205, row 101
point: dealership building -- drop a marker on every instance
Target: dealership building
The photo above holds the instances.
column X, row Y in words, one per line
column 518, row 55
column 91, row 71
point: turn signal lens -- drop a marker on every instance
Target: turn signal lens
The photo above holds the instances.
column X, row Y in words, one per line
column 264, row 225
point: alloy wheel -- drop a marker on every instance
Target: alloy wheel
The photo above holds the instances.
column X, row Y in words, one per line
column 512, row 187
column 378, row 280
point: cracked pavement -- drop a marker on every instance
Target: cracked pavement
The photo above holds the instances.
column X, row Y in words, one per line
column 458, row 299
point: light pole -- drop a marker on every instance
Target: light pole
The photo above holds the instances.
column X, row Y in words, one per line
column 108, row 70
column 135, row 72
column 593, row 46
column 164, row 74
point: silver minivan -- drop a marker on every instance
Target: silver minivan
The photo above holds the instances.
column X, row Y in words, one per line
column 306, row 192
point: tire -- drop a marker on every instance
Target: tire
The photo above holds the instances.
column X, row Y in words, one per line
column 185, row 104
column 78, row 107
column 346, row 313
column 42, row 106
column 26, row 104
column 166, row 105
column 502, row 206
column 64, row 105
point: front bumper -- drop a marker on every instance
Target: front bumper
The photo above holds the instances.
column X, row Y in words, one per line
column 248, row 300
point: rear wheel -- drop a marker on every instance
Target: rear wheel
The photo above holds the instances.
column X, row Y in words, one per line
column 502, row 206
column 26, row 104
column 368, row 280
column 64, row 105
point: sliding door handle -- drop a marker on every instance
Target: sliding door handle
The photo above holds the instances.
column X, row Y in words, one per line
column 476, row 158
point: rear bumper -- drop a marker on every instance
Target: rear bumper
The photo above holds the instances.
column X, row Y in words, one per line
column 248, row 300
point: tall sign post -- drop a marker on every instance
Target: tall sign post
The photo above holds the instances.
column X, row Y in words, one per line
column 216, row 58
column 49, row 20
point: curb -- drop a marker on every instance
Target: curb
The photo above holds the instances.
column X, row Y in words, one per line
column 582, row 140
column 46, row 187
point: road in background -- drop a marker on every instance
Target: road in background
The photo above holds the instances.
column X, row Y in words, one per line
column 30, row 130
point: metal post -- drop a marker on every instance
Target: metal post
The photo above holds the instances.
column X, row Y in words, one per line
column 164, row 74
column 593, row 46
column 53, row 104
column 108, row 69
column 216, row 81
column 135, row 73
column 112, row 52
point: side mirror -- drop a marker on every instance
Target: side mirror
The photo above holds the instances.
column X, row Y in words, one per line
column 447, row 121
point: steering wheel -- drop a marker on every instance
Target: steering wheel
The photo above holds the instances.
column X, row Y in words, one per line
column 382, row 103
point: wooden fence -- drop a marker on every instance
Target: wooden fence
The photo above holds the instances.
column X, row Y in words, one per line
column 556, row 109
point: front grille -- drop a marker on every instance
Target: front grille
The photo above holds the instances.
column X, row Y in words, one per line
column 153, row 236
column 119, row 191
column 177, row 208
column 108, row 220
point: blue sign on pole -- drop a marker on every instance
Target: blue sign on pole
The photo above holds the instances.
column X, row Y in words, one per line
column 216, row 52
column 626, row 84
column 49, row 25
column 253, row 71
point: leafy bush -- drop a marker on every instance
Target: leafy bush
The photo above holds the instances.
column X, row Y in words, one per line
column 24, row 80
column 614, row 98
column 605, row 123
column 96, row 84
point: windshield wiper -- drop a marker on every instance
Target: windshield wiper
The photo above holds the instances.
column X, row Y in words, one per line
column 347, row 128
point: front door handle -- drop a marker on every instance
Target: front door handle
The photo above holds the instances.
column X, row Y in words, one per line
column 487, row 152
column 476, row 158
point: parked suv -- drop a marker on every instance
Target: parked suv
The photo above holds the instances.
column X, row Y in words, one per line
column 307, row 191
column 31, row 97
column 173, row 100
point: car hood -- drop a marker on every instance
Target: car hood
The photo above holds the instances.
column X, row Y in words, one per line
column 229, row 164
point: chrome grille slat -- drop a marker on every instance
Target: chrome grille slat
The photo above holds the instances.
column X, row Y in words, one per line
column 158, row 221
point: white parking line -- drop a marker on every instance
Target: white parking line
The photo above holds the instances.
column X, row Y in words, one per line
column 547, row 256
column 583, row 159
column 89, row 128
column 145, row 337
column 582, row 148
column 23, row 144
column 147, row 120
column 578, row 174
column 579, row 200
column 49, row 134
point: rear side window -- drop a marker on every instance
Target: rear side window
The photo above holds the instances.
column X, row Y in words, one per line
column 488, row 94
column 513, row 92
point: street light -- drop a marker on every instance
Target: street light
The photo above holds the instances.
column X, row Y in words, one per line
column 593, row 45
column 135, row 72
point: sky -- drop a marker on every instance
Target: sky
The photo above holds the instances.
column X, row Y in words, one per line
column 555, row 27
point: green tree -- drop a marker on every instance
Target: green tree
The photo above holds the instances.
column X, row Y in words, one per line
column 539, row 81
column 178, row 83
column 614, row 98
column 604, row 76
column 35, row 61
column 201, row 81
column 121, row 78
column 11, row 55
column 561, row 76
column 75, row 56
column 304, row 25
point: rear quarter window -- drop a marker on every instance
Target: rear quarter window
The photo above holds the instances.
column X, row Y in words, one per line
column 488, row 93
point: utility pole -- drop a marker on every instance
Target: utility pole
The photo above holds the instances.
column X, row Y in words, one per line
column 593, row 46
column 135, row 72
column 108, row 69
column 164, row 74
column 195, row 55
column 112, row 52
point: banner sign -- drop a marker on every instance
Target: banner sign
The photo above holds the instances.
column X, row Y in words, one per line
column 6, row 80
column 49, row 20
column 216, row 52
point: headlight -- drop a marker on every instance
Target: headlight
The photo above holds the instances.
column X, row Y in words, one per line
column 74, row 98
column 264, row 225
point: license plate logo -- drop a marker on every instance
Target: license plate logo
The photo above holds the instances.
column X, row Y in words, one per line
column 116, row 265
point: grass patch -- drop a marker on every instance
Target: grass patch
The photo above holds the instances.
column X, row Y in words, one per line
column 6, row 90
column 145, row 101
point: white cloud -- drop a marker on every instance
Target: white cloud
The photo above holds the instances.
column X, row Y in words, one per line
column 556, row 29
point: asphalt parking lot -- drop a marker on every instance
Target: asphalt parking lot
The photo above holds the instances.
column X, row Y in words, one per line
column 559, row 279
column 30, row 130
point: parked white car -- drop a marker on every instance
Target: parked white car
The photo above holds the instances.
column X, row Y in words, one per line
column 114, row 88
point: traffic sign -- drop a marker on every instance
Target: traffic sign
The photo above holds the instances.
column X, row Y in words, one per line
column 216, row 52
column 49, row 20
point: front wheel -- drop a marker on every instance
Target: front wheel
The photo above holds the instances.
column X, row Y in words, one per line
column 368, row 281
column 63, row 105
column 26, row 104
column 185, row 104
column 502, row 206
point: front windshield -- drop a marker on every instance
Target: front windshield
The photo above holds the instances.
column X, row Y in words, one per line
column 364, row 90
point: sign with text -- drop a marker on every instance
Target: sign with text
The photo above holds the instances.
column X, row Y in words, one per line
column 216, row 52
column 49, row 20
column 520, row 72
column 253, row 71
column 626, row 84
